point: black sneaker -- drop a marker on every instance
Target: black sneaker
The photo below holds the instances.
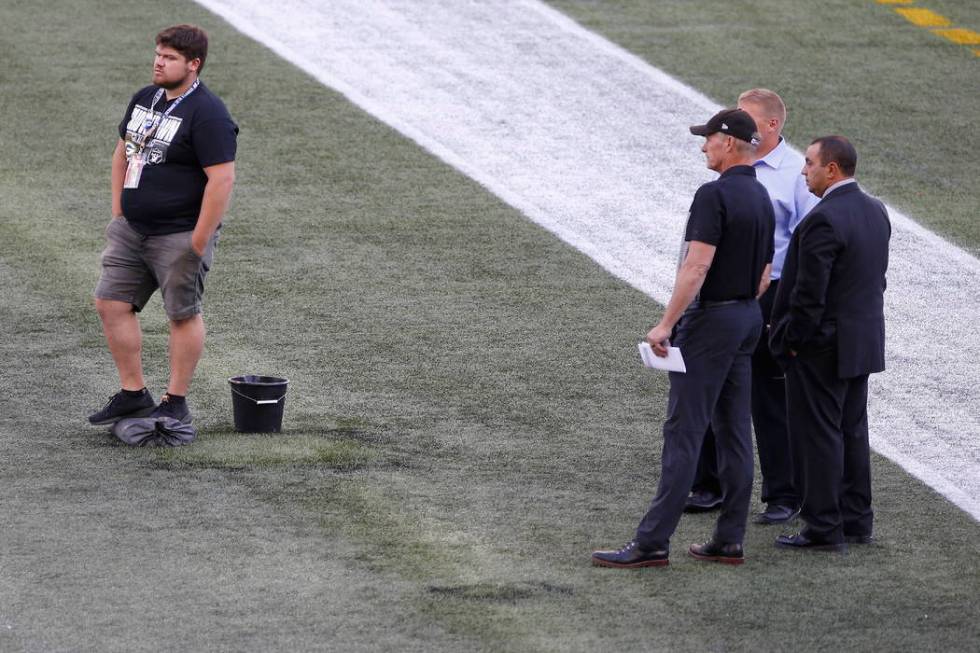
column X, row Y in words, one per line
column 177, row 410
column 122, row 405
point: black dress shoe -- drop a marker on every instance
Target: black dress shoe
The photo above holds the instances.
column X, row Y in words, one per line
column 776, row 514
column 859, row 539
column 729, row 554
column 702, row 502
column 631, row 556
column 805, row 543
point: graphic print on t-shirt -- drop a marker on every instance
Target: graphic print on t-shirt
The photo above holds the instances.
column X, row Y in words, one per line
column 156, row 149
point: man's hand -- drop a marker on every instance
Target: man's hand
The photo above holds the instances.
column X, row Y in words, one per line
column 658, row 337
column 199, row 241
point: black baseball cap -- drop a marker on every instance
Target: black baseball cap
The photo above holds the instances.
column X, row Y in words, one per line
column 732, row 122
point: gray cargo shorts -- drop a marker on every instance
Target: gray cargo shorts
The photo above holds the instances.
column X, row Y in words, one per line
column 134, row 265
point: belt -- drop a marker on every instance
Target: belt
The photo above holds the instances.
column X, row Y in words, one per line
column 701, row 303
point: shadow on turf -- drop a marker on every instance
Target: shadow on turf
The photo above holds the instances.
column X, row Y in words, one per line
column 500, row 592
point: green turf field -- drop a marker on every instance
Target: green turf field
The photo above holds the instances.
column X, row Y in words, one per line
column 466, row 419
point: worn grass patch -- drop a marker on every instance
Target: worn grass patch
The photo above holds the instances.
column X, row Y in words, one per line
column 238, row 450
column 468, row 586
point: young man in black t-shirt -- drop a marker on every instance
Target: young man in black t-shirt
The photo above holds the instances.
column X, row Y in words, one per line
column 713, row 316
column 173, row 170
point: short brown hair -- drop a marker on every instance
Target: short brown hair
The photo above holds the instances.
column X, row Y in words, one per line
column 189, row 40
column 839, row 150
column 769, row 101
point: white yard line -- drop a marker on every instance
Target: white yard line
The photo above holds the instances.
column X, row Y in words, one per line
column 591, row 142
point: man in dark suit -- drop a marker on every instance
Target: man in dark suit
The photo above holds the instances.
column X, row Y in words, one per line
column 828, row 331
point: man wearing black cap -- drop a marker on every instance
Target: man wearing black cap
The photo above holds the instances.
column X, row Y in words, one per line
column 777, row 168
column 713, row 317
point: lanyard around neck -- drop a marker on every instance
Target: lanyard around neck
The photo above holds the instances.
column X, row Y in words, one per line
column 150, row 124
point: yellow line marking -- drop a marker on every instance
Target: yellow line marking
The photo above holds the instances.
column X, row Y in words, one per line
column 924, row 17
column 936, row 23
column 959, row 35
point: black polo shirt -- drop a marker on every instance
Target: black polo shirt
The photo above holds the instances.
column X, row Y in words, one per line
column 734, row 214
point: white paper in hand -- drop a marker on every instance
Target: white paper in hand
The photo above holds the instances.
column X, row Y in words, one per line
column 674, row 362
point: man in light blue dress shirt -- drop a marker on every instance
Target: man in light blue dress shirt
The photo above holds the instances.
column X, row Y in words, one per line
column 778, row 169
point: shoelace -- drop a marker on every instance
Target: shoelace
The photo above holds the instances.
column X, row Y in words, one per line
column 112, row 398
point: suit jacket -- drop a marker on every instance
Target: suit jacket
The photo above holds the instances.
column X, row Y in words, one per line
column 831, row 293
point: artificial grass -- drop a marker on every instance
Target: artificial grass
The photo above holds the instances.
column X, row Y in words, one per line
column 905, row 97
column 482, row 374
column 235, row 451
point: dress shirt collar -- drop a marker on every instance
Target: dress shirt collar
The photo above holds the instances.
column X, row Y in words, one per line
column 842, row 182
column 775, row 157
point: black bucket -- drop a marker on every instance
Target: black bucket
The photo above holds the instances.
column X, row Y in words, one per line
column 258, row 402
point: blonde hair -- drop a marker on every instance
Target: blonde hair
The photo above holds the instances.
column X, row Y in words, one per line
column 769, row 101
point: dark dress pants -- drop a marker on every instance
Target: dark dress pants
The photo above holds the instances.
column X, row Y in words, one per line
column 828, row 420
column 717, row 345
column 769, row 420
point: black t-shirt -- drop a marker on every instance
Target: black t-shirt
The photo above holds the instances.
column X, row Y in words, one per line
column 734, row 214
column 198, row 133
